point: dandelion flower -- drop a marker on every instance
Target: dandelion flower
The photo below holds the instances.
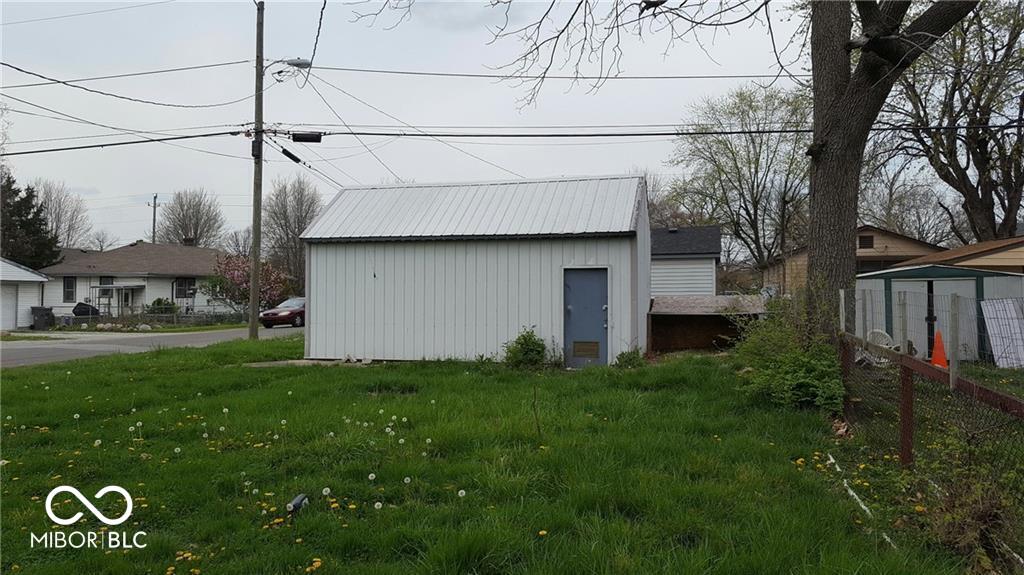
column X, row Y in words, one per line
column 542, row 532
column 225, row 410
column 378, row 505
column 424, row 454
column 131, row 428
column 177, row 450
column 381, row 412
column 405, row 419
column 326, row 491
column 373, row 476
column 275, row 437
column 407, row 480
column 69, row 373
column 255, row 491
column 429, row 441
column 387, row 430
column 138, row 424
column 330, row 434
column 222, row 428
column 97, row 443
column 433, row 401
column 284, row 422
column 401, row 441
column 462, row 493
column 76, row 416
column 206, row 435
column 289, row 392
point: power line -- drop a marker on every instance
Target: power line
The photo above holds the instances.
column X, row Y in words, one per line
column 115, row 128
column 360, row 140
column 419, row 134
column 332, row 164
column 93, row 136
column 495, row 76
column 316, row 42
column 127, row 143
column 399, row 120
column 130, row 98
column 291, row 156
column 85, row 13
column 130, row 74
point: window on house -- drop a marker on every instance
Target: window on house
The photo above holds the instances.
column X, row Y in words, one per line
column 865, row 242
column 70, row 287
column 106, row 281
column 184, row 288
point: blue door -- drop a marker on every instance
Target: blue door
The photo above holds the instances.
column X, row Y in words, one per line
column 586, row 317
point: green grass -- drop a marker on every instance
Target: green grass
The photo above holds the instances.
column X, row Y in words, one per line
column 25, row 337
column 1005, row 380
column 664, row 469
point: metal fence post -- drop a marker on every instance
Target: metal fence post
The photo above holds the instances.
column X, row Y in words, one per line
column 864, row 314
column 905, row 346
column 842, row 311
column 954, row 340
column 906, row 416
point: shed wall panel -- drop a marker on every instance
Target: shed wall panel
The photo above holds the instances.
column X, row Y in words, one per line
column 459, row 299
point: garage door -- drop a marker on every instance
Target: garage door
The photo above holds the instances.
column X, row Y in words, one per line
column 8, row 306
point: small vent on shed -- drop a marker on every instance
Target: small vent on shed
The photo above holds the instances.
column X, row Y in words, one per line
column 590, row 349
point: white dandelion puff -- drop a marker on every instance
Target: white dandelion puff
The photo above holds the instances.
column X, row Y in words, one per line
column 401, row 441
column 177, row 450
column 378, row 505
column 373, row 476
column 326, row 491
column 462, row 493
column 407, row 480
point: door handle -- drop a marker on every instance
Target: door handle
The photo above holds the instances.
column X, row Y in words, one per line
column 604, row 307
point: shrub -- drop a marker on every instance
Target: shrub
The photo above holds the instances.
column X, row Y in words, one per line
column 630, row 359
column 779, row 331
column 162, row 306
column 527, row 350
column 800, row 378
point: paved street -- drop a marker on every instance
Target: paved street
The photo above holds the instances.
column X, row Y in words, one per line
column 79, row 345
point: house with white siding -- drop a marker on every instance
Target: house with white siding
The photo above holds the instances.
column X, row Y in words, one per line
column 125, row 280
column 684, row 260
column 414, row 271
column 20, row 290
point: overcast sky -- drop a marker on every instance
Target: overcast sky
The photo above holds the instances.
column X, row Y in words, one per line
column 439, row 36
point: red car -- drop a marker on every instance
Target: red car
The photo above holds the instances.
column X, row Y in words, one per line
column 291, row 311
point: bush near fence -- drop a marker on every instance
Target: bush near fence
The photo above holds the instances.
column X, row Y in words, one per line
column 182, row 317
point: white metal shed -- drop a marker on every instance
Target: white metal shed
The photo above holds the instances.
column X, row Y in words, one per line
column 20, row 289
column 431, row 271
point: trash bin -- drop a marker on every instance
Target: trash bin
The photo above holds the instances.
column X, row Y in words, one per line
column 42, row 318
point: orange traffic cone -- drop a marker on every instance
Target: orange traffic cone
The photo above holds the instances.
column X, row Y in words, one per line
column 939, row 352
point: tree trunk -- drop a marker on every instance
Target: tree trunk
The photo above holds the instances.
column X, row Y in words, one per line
column 845, row 108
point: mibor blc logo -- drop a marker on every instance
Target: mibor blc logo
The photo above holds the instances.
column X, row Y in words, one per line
column 101, row 539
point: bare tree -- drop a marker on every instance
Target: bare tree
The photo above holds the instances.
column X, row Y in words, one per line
column 976, row 80
column 239, row 242
column 66, row 215
column 851, row 76
column 102, row 240
column 757, row 179
column 287, row 212
column 899, row 195
column 192, row 216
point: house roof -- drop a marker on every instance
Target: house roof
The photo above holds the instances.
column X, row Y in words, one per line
column 533, row 208
column 15, row 272
column 933, row 271
column 867, row 228
column 140, row 259
column 970, row 251
column 708, row 305
column 689, row 241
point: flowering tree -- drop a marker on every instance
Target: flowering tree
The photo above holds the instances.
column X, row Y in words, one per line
column 231, row 283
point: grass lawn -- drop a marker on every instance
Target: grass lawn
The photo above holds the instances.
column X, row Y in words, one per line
column 666, row 469
column 1006, row 380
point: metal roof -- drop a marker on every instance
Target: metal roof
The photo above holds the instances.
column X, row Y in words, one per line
column 15, row 272
column 544, row 208
column 934, row 271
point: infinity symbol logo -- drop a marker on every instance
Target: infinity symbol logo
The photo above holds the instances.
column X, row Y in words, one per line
column 99, row 495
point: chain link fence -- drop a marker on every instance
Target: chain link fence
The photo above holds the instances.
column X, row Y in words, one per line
column 943, row 448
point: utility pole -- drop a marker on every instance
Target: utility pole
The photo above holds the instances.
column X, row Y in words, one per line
column 155, row 205
column 257, row 183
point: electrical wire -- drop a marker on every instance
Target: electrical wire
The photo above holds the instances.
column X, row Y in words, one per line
column 316, row 42
column 93, row 136
column 360, row 140
column 332, row 164
column 399, row 120
column 114, row 144
column 76, row 14
column 495, row 76
column 291, row 156
column 109, row 127
column 130, row 74
column 130, row 98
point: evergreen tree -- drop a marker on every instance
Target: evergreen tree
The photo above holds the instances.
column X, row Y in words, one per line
column 24, row 237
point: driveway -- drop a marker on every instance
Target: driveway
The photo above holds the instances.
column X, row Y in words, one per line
column 79, row 345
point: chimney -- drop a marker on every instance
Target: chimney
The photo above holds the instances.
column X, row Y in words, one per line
column 191, row 242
